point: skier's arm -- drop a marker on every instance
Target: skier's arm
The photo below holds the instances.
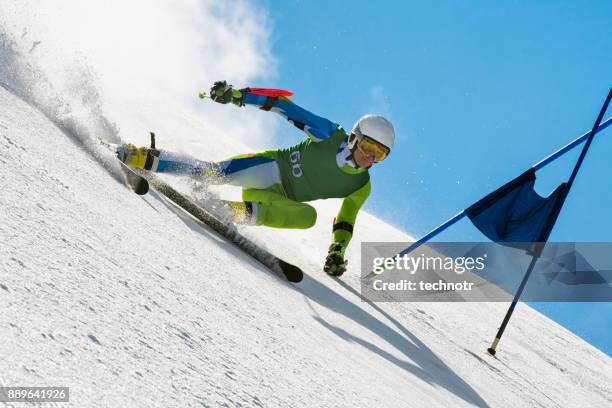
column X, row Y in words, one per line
column 335, row 264
column 316, row 127
column 345, row 220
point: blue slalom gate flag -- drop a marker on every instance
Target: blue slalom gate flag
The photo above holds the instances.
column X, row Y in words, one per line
column 515, row 214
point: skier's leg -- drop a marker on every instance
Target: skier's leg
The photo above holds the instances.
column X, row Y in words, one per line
column 163, row 161
column 264, row 199
column 180, row 163
column 252, row 170
column 270, row 207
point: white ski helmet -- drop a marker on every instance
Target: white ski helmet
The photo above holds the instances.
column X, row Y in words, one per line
column 375, row 127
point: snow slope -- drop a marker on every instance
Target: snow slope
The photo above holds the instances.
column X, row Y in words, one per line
column 129, row 302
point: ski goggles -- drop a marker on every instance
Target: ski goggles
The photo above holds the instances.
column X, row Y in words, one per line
column 369, row 146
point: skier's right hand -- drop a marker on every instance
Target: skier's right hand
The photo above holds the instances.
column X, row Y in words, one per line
column 335, row 264
column 222, row 92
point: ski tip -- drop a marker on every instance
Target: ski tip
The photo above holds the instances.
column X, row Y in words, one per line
column 291, row 272
column 142, row 187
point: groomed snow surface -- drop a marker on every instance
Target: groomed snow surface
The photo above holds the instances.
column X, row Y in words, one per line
column 130, row 303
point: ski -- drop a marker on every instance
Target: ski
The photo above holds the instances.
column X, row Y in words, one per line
column 228, row 231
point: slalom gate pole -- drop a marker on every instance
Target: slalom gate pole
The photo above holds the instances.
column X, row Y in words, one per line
column 500, row 332
column 604, row 108
column 434, row 232
column 554, row 156
column 549, row 225
column 426, row 237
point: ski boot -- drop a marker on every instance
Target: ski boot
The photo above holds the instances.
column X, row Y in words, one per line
column 141, row 157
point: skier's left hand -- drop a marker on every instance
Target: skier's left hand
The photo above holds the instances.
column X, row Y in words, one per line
column 335, row 264
column 222, row 92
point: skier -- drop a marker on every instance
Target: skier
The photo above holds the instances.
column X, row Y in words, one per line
column 277, row 183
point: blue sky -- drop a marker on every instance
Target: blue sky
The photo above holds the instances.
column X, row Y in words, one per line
column 478, row 92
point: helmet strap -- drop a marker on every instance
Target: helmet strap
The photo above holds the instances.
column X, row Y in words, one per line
column 352, row 148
